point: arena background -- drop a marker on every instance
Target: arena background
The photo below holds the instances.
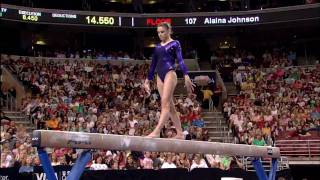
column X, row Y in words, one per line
column 121, row 33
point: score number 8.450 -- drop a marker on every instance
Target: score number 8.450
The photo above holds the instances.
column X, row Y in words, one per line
column 100, row 20
column 30, row 18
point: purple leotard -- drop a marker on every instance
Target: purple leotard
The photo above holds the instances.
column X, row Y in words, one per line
column 163, row 59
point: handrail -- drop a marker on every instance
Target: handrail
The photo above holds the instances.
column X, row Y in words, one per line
column 283, row 163
column 296, row 140
column 224, row 94
column 4, row 68
column 304, row 148
column 9, row 102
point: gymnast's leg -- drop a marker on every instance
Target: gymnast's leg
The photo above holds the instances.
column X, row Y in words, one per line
column 176, row 121
column 173, row 113
column 169, row 85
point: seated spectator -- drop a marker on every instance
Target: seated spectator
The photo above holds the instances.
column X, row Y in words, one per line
column 168, row 162
column 36, row 161
column 7, row 158
column 156, row 161
column 54, row 159
column 7, row 138
column 146, row 162
column 53, row 123
column 98, row 164
column 183, row 161
column 302, row 131
column 266, row 130
column 27, row 165
column 198, row 162
column 235, row 163
column 291, row 130
column 130, row 163
column 213, row 160
column 225, row 162
column 258, row 140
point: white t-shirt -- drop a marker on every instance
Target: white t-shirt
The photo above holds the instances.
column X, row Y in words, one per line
column 131, row 131
column 189, row 102
column 201, row 165
column 131, row 123
column 274, row 112
column 166, row 165
column 98, row 167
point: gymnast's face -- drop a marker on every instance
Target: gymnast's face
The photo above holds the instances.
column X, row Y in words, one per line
column 163, row 33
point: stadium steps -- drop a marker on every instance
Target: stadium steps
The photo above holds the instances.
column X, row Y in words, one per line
column 217, row 127
column 231, row 89
column 20, row 119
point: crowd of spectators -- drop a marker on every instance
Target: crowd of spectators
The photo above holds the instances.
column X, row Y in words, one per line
column 280, row 102
column 227, row 61
column 83, row 54
column 84, row 96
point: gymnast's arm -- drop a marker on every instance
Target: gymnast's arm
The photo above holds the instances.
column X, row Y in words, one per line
column 152, row 66
column 182, row 66
column 189, row 85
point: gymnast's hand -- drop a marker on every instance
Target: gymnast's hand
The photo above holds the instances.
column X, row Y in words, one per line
column 188, row 84
column 146, row 86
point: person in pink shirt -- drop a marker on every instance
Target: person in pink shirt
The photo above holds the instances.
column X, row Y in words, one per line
column 268, row 117
column 147, row 162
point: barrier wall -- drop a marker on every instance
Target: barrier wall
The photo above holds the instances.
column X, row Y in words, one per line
column 141, row 174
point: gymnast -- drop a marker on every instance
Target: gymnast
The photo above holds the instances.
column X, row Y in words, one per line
column 163, row 61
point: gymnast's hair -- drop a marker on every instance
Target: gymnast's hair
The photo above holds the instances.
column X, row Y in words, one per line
column 166, row 25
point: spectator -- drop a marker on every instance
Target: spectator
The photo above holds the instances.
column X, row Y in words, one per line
column 11, row 141
column 198, row 162
column 207, row 98
column 168, row 162
column 98, row 164
column 258, row 140
column 27, row 165
column 302, row 132
column 130, row 163
column 214, row 160
column 147, row 162
column 54, row 159
column 225, row 162
column 7, row 158
column 235, row 163
column 156, row 162
column 183, row 161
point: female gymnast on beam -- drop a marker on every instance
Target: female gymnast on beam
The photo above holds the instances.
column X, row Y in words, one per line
column 163, row 60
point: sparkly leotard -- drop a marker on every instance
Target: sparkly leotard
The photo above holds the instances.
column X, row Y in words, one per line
column 163, row 59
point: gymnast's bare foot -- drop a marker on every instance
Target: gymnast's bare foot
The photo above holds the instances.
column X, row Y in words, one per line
column 153, row 135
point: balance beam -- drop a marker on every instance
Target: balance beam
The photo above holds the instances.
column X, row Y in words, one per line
column 80, row 140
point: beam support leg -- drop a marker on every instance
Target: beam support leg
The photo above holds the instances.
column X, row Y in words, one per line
column 46, row 164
